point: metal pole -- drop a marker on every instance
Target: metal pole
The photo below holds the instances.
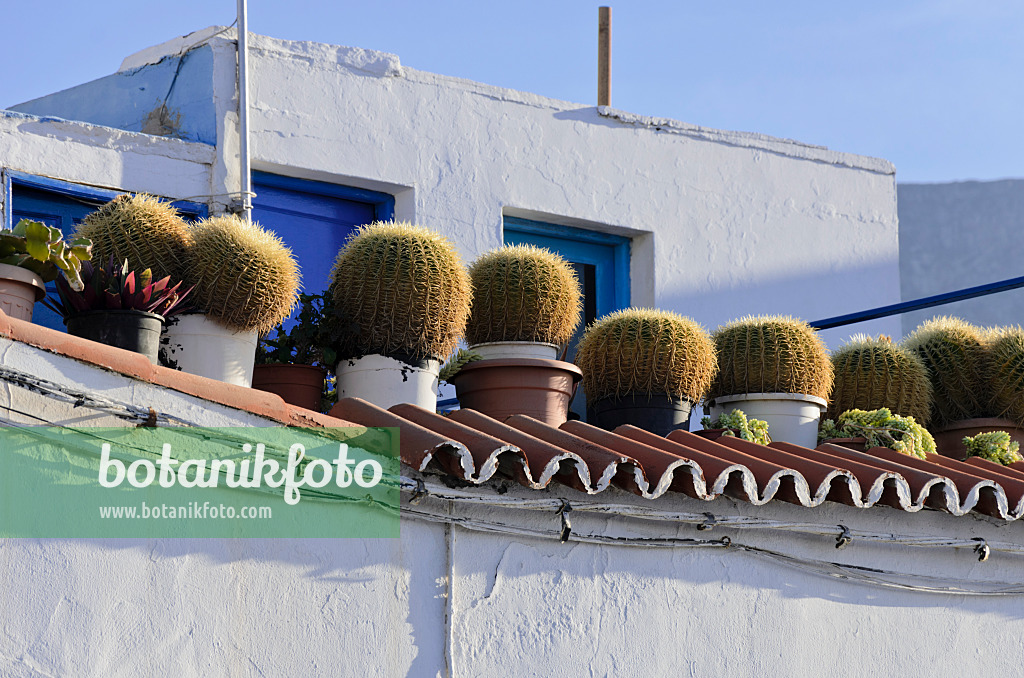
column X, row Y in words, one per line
column 245, row 178
column 604, row 56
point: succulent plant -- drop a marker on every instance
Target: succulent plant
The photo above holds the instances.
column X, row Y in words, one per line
column 116, row 288
column 1006, row 378
column 771, row 354
column 645, row 351
column 244, row 276
column 523, row 293
column 881, row 428
column 954, row 353
column 995, row 446
column 41, row 249
column 399, row 289
column 142, row 229
column 871, row 373
column 754, row 430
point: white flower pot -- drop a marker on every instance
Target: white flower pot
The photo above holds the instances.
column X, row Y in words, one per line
column 20, row 289
column 195, row 344
column 792, row 417
column 386, row 381
column 502, row 350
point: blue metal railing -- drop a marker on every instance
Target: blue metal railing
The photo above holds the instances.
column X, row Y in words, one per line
column 918, row 304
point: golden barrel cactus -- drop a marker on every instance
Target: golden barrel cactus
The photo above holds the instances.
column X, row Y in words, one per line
column 523, row 293
column 146, row 231
column 873, row 373
column 771, row 354
column 955, row 355
column 1006, row 377
column 399, row 289
column 244, row 275
column 643, row 351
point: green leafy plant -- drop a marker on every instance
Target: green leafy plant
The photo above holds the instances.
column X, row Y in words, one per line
column 995, row 446
column 872, row 372
column 41, row 249
column 116, row 288
column 770, row 354
column 881, row 428
column 523, row 293
column 244, row 276
column 645, row 351
column 304, row 343
column 461, row 358
column 399, row 289
column 146, row 231
column 954, row 353
column 736, row 423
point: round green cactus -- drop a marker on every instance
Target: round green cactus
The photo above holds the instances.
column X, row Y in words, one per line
column 872, row 373
column 645, row 351
column 142, row 229
column 244, row 276
column 954, row 353
column 523, row 293
column 771, row 354
column 1006, row 379
column 399, row 289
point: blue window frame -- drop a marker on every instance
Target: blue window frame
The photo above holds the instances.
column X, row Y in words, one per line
column 63, row 205
column 601, row 261
column 315, row 219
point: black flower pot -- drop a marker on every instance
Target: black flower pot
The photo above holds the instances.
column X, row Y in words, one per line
column 136, row 331
column 658, row 413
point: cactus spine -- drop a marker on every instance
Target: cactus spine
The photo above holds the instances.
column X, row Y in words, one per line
column 399, row 289
column 872, row 373
column 244, row 276
column 646, row 351
column 142, row 229
column 1006, row 379
column 523, row 293
column 954, row 353
column 771, row 354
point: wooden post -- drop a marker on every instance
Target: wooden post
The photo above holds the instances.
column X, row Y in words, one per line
column 604, row 56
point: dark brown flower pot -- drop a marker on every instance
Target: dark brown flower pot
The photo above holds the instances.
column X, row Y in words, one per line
column 299, row 385
column 658, row 414
column 949, row 440
column 136, row 331
column 535, row 387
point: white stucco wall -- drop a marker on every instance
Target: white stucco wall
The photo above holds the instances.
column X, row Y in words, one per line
column 451, row 601
column 105, row 157
column 958, row 235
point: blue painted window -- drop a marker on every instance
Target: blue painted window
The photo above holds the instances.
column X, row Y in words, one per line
column 601, row 261
column 61, row 204
column 315, row 219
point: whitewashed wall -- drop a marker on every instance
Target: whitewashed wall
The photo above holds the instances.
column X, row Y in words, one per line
column 447, row 601
column 959, row 235
column 724, row 224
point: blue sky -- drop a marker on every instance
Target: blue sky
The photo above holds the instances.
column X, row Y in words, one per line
column 935, row 87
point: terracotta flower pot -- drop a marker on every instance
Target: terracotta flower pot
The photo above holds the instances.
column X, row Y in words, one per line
column 299, row 385
column 20, row 289
column 535, row 387
column 949, row 440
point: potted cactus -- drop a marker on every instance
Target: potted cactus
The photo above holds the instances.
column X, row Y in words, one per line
column 32, row 254
column 146, row 231
column 645, row 367
column 774, row 368
column 873, row 372
column 117, row 307
column 526, row 305
column 292, row 362
column 401, row 297
column 246, row 282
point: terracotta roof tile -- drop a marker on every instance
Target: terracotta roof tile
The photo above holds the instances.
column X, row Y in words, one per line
column 475, row 448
